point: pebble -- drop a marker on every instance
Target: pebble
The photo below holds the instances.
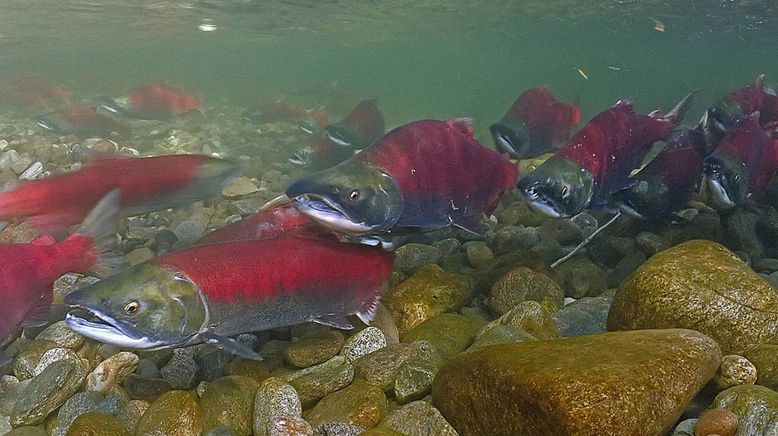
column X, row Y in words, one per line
column 512, row 238
column 48, row 391
column 478, row 254
column 229, row 402
column 448, row 333
column 25, row 363
column 418, row 418
column 249, row 368
column 363, row 343
column 76, row 405
column 239, row 187
column 447, row 246
column 32, row 172
column 735, row 370
column 314, row 349
column 108, row 350
column 564, row 231
column 414, row 379
column 719, row 422
column 285, row 425
column 410, row 257
column 96, row 423
column 523, row 284
column 173, row 413
column 148, row 389
column 139, row 255
column 317, row 381
column 338, row 429
column 111, row 372
column 147, row 368
column 189, row 231
column 381, row 367
column 362, row 404
column 274, row 397
column 651, row 243
column 131, row 414
column 585, row 316
column 181, row 371
column 52, row 356
column 61, row 334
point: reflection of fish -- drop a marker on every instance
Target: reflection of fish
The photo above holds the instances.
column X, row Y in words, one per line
column 271, row 220
column 154, row 101
column 597, row 160
column 421, row 176
column 363, row 125
column 147, row 184
column 79, row 121
column 534, row 124
column 207, row 293
column 29, row 270
column 665, row 185
column 743, row 162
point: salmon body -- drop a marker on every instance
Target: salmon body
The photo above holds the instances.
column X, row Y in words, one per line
column 754, row 97
column 84, row 121
column 363, row 125
column 154, row 102
column 535, row 124
column 209, row 292
column 147, row 184
column 596, row 162
column 266, row 223
column 419, row 177
column 32, row 92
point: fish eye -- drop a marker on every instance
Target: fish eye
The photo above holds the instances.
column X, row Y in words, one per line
column 131, row 308
column 354, row 195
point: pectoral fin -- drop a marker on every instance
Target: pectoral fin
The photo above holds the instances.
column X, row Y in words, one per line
column 232, row 346
column 336, row 321
column 469, row 224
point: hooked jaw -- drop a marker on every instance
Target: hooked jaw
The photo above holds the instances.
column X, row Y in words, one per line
column 329, row 213
column 724, row 182
column 341, row 134
column 511, row 138
column 540, row 203
column 107, row 330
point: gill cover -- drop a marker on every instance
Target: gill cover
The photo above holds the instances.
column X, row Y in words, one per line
column 512, row 137
column 558, row 188
column 353, row 198
column 644, row 198
column 145, row 307
column 724, row 181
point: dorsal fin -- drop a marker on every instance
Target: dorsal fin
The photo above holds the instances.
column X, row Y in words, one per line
column 464, row 125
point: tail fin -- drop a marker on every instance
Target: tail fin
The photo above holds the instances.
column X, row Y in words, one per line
column 100, row 225
column 680, row 109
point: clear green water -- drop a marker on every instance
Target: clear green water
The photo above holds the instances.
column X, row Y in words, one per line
column 420, row 58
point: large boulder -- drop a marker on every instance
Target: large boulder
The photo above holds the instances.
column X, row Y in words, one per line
column 619, row 383
column 699, row 285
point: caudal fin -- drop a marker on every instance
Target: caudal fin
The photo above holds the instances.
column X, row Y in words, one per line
column 680, row 109
column 100, row 225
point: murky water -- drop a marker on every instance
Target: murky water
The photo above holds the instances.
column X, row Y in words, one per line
column 421, row 59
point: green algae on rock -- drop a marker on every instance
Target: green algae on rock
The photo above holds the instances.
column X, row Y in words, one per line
column 314, row 349
column 699, row 285
column 755, row 406
column 418, row 418
column 95, row 424
column 48, row 391
column 523, row 284
column 636, row 382
column 381, row 367
column 175, row 413
column 362, row 404
column 229, row 402
column 765, row 359
column 429, row 292
column 449, row 333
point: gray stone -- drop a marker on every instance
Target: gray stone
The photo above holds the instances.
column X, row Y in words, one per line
column 52, row 356
column 418, row 418
column 147, row 368
column 651, row 243
column 60, row 333
column 274, row 397
column 585, row 316
column 181, row 370
column 48, row 391
column 363, row 343
column 111, row 372
column 338, row 429
column 381, row 367
column 414, row 379
column 410, row 257
column 767, row 265
column 315, row 382
column 190, row 230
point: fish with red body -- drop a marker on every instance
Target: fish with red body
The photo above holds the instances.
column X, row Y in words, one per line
column 754, row 97
column 154, row 102
column 665, row 184
column 743, row 163
column 28, row 271
column 147, row 184
column 535, row 124
column 83, row 121
column 320, row 153
column 273, row 219
column 597, row 161
column 422, row 176
column 32, row 92
column 311, row 119
column 208, row 293
column 363, row 125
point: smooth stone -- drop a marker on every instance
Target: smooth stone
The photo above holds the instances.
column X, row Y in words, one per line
column 131, row 414
column 561, row 230
column 381, row 367
column 755, row 406
column 25, row 363
column 523, row 284
column 699, row 285
column 625, row 267
column 249, row 368
column 147, row 389
column 735, row 370
column 362, row 404
column 338, row 429
column 274, row 397
column 449, row 333
column 314, row 349
column 190, row 230
column 740, row 227
column 147, row 368
column 229, row 402
column 651, row 243
column 27, row 431
column 447, row 246
column 478, row 254
column 427, row 293
column 111, row 372
column 512, row 238
column 765, row 358
column 108, row 350
column 11, row 395
column 48, row 391
column 767, row 265
column 284, row 425
column 325, row 378
column 581, row 277
column 685, row 428
column 414, row 379
column 75, row 406
column 528, row 316
column 501, row 334
column 239, row 187
column 418, row 418
column 53, row 355
column 96, row 423
column 410, row 257
column 60, row 333
column 719, row 422
column 173, row 413
column 635, row 382
column 139, row 255
column 272, row 353
column 363, row 343
column 585, row 316
column 181, row 371
column 486, row 276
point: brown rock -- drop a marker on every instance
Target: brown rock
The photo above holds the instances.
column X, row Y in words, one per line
column 719, row 422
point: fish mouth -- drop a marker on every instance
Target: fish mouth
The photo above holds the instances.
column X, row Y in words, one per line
column 104, row 328
column 302, row 157
column 338, row 137
column 44, row 124
column 329, row 213
column 541, row 204
column 714, row 191
column 628, row 208
column 308, row 128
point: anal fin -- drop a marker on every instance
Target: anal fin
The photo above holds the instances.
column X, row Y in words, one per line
column 336, row 321
column 38, row 314
column 231, row 345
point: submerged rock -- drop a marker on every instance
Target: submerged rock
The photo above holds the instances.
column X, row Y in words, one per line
column 363, row 343
column 586, row 316
column 229, row 402
column 317, row 381
column 96, row 423
column 449, row 333
column 418, row 418
column 523, row 284
column 755, row 406
column 765, row 359
column 314, row 349
column 720, row 422
column 626, row 382
column 703, row 286
column 48, row 391
column 381, row 367
column 735, row 370
column 274, row 397
column 362, row 404
column 174, row 413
